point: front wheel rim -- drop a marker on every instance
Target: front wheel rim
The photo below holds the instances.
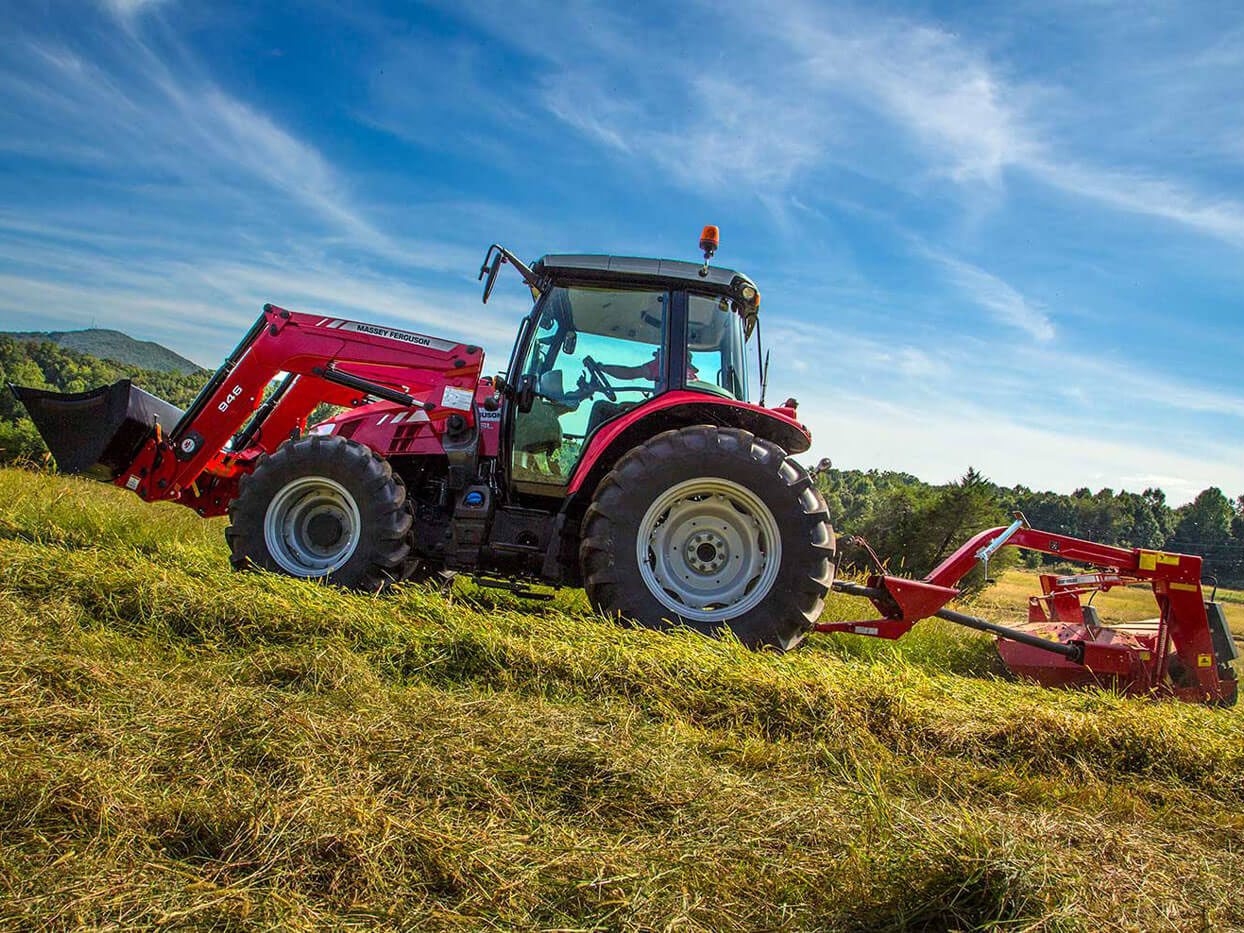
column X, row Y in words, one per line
column 312, row 526
column 709, row 549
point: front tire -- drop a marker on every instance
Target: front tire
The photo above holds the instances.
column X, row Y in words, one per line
column 322, row 508
column 711, row 528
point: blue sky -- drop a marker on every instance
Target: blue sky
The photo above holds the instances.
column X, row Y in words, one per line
column 1008, row 236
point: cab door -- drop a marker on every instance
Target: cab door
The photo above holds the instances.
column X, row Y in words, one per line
column 592, row 354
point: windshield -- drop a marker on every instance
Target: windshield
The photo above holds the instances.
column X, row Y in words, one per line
column 715, row 345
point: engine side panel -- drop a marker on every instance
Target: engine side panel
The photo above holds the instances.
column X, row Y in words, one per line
column 393, row 430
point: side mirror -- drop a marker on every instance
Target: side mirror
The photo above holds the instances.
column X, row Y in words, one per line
column 525, row 398
column 491, row 266
column 491, row 272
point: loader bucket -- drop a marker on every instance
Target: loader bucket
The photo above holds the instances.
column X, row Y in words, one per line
column 96, row 433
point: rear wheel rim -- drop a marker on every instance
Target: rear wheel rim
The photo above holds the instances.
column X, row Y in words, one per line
column 312, row 526
column 709, row 549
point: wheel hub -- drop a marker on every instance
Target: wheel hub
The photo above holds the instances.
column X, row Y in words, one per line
column 312, row 526
column 708, row 549
column 324, row 529
column 707, row 552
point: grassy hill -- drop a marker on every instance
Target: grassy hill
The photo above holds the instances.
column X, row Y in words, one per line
column 112, row 345
column 182, row 746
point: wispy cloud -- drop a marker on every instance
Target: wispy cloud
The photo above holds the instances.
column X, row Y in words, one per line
column 796, row 107
column 128, row 8
column 206, row 208
column 144, row 110
column 970, row 247
column 1138, row 192
column 951, row 438
column 199, row 308
column 1000, row 299
column 936, row 89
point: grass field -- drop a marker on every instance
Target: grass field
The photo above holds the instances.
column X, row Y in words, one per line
column 185, row 747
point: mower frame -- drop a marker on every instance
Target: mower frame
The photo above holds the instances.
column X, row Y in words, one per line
column 1177, row 658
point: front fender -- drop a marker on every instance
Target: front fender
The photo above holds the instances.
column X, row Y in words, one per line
column 679, row 409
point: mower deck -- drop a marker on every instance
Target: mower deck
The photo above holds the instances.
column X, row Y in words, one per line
column 1185, row 652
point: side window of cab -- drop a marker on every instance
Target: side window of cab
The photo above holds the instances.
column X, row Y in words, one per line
column 595, row 354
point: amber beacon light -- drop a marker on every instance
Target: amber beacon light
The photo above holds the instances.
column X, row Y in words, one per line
column 710, row 239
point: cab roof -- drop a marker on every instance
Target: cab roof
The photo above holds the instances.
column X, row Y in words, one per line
column 635, row 270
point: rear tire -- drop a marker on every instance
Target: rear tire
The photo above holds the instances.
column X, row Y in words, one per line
column 711, row 528
column 323, row 508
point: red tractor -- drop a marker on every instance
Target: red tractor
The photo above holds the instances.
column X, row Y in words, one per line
column 618, row 452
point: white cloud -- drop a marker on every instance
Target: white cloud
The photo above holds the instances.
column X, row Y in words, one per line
column 924, row 79
column 1140, row 193
column 214, row 205
column 819, row 81
column 939, row 442
column 954, row 100
column 199, row 302
column 131, row 110
column 1046, row 419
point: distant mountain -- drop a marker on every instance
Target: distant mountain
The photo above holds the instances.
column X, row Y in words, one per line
column 112, row 345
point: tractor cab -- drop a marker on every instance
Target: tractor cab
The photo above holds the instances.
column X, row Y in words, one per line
column 608, row 336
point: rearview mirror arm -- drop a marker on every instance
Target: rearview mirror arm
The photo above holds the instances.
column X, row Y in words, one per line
column 491, row 265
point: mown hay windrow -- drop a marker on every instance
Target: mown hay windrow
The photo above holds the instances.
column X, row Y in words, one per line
column 180, row 745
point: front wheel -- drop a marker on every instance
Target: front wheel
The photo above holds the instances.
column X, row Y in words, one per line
column 323, row 508
column 712, row 528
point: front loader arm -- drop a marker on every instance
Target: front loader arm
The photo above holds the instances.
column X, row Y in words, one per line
column 326, row 360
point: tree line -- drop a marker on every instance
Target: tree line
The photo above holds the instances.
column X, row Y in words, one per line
column 913, row 525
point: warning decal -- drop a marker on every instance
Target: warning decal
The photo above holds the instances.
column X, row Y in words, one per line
column 460, row 399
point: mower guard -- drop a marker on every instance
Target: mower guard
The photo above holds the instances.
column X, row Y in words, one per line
column 97, row 433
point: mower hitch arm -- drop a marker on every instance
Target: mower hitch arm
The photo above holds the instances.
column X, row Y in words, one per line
column 1073, row 652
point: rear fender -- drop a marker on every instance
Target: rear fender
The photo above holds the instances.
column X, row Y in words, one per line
column 679, row 410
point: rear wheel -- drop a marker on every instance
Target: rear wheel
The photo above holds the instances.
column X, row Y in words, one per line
column 324, row 508
column 712, row 528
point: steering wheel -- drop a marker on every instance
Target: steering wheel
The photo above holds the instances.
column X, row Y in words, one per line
column 599, row 379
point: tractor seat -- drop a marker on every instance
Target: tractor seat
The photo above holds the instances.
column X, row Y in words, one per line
column 604, row 410
column 538, row 431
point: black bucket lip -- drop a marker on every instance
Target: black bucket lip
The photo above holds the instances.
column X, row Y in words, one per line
column 22, row 392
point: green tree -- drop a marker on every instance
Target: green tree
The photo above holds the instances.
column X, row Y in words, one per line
column 1207, row 520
